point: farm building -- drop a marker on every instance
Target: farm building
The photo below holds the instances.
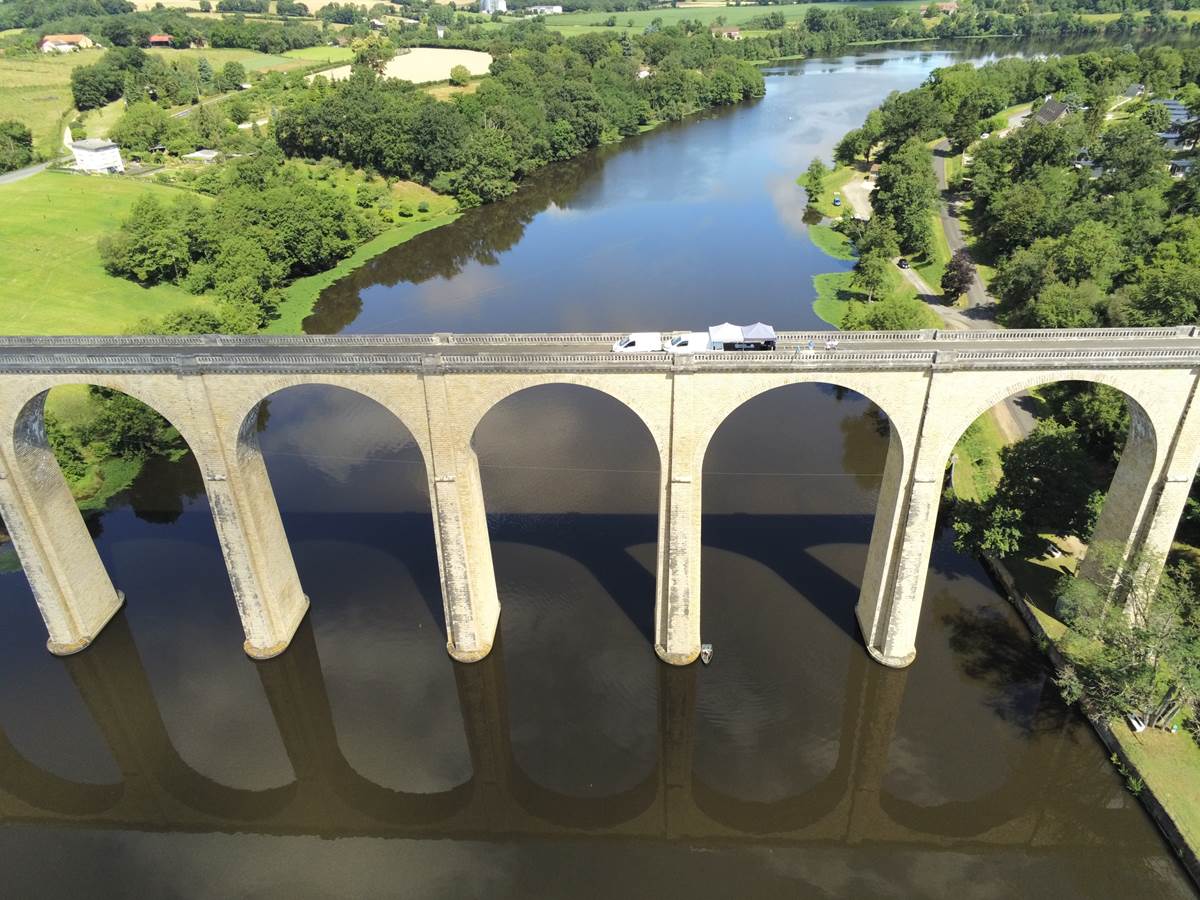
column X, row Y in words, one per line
column 95, row 155
column 65, row 43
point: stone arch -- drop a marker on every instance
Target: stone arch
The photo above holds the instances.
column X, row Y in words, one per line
column 611, row 566
column 1141, row 403
column 400, row 395
column 646, row 396
column 724, row 401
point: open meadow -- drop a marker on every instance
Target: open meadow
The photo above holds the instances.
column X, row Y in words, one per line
column 36, row 90
column 637, row 20
column 51, row 278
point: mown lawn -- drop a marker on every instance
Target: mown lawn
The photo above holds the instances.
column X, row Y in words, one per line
column 835, row 292
column 251, row 59
column 831, row 241
column 51, row 278
column 36, row 91
column 835, row 184
column 933, row 267
column 322, row 54
column 977, row 466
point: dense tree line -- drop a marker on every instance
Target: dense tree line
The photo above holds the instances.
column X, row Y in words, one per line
column 35, row 13
column 132, row 73
column 270, row 222
column 551, row 100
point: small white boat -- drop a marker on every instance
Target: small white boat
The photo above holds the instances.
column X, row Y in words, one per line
column 706, row 652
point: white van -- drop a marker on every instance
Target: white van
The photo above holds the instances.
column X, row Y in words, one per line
column 690, row 342
column 639, row 342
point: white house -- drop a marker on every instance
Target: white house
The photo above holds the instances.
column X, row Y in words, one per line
column 488, row 7
column 64, row 43
column 95, row 155
column 544, row 10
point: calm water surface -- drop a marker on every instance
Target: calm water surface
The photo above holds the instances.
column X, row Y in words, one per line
column 570, row 762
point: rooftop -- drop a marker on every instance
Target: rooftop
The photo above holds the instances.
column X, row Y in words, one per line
column 92, row 144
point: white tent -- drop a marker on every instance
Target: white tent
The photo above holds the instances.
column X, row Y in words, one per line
column 725, row 333
column 758, row 332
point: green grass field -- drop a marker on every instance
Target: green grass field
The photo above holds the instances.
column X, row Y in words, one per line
column 830, row 241
column 836, row 290
column 322, row 54
column 637, row 20
column 934, row 267
column 51, row 278
column 36, row 91
column 251, row 59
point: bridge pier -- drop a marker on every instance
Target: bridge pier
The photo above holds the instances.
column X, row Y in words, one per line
column 469, row 597
column 266, row 587
column 72, row 588
column 889, row 602
column 677, row 591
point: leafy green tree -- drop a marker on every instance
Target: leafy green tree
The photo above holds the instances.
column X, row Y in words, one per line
column 152, row 245
column 852, row 145
column 488, row 166
column 372, row 52
column 1060, row 305
column 959, row 275
column 460, row 75
column 95, row 85
column 1045, row 486
column 1132, row 157
column 1143, row 657
column 814, row 180
column 16, row 145
column 905, row 192
column 233, row 75
column 1156, row 117
column 897, row 313
column 871, row 272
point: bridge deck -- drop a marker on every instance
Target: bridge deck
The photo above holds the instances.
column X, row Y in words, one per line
column 1105, row 348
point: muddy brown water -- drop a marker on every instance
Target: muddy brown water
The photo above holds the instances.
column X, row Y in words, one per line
column 570, row 762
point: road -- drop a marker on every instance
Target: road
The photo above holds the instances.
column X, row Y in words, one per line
column 22, row 174
column 977, row 294
column 1013, row 415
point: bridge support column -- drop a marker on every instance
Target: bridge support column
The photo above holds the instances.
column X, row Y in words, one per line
column 472, row 606
column 889, row 604
column 1147, row 496
column 70, row 584
column 677, row 593
column 262, row 572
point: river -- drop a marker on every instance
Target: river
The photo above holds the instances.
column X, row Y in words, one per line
column 570, row 762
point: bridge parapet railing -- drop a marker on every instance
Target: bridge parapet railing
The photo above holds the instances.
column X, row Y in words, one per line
column 1061, row 334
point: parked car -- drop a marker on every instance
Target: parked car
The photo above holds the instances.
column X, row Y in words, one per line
column 837, row 201
column 903, row 263
column 639, row 342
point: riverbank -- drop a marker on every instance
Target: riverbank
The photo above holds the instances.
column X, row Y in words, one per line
column 1164, row 785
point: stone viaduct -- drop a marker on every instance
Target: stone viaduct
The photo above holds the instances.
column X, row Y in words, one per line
column 931, row 385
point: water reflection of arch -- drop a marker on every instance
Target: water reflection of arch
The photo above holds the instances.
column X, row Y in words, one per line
column 45, row 790
column 295, row 687
column 484, row 696
column 114, row 685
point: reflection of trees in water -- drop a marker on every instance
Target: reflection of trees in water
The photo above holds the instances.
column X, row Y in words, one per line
column 861, row 455
column 989, row 647
column 162, row 488
column 481, row 235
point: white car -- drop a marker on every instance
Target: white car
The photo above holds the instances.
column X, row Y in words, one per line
column 640, row 342
column 689, row 342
